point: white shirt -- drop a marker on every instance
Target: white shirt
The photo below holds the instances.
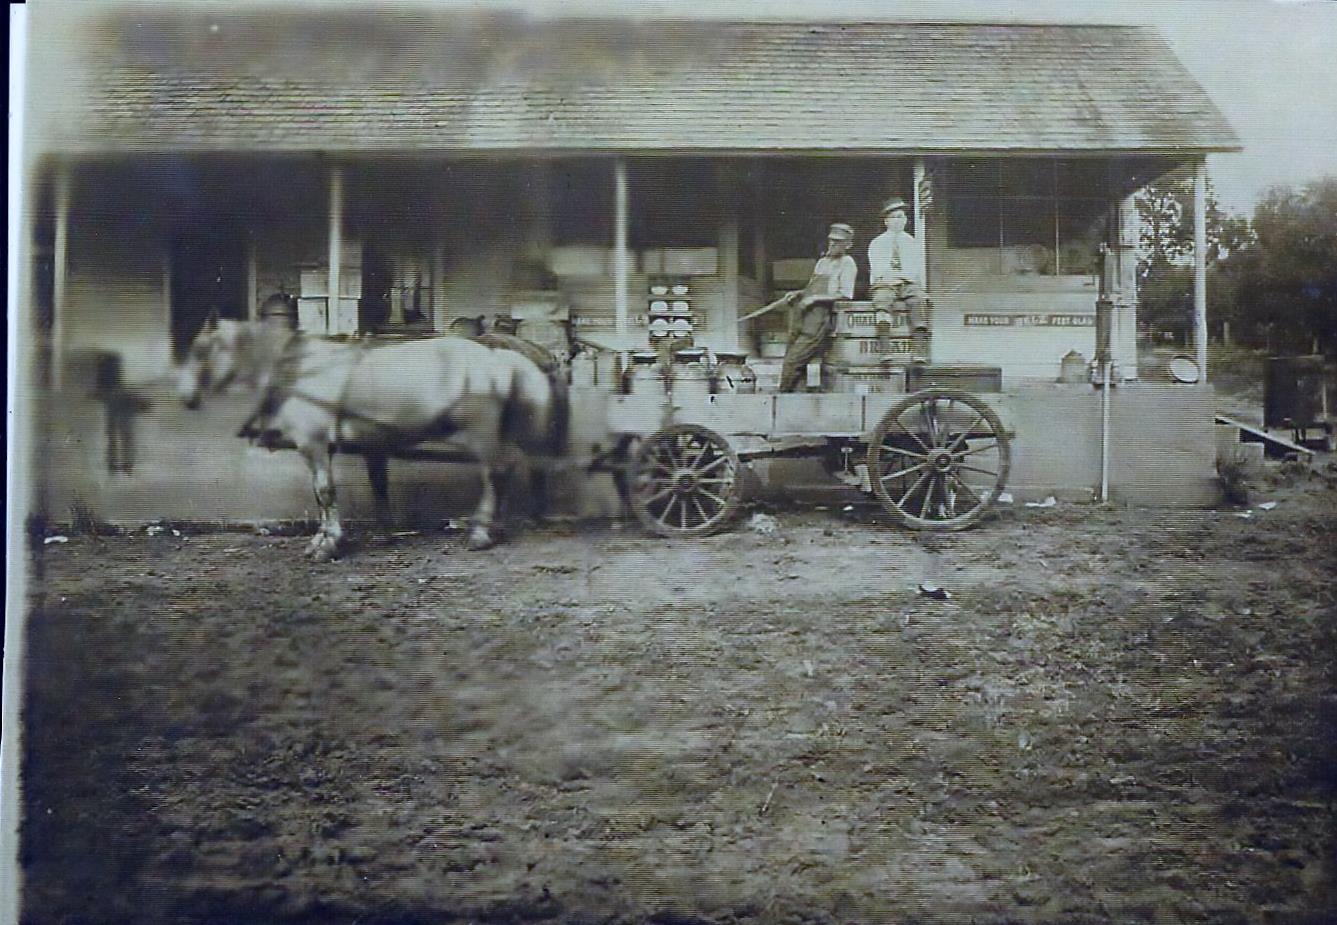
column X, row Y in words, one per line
column 893, row 257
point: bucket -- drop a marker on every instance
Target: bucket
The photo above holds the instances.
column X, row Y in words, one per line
column 1072, row 369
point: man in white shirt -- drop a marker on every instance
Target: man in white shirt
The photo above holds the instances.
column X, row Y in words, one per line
column 896, row 276
column 810, row 319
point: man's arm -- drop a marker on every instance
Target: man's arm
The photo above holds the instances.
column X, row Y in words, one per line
column 849, row 272
column 879, row 260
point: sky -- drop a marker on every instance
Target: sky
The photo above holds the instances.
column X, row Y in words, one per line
column 1270, row 65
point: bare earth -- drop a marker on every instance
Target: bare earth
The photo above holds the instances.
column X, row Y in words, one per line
column 1121, row 716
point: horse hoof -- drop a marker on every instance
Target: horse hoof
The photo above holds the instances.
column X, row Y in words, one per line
column 323, row 551
column 479, row 540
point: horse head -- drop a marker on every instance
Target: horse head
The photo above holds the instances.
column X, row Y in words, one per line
column 215, row 358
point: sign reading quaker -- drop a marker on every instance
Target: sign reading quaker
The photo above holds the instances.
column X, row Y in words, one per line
column 990, row 320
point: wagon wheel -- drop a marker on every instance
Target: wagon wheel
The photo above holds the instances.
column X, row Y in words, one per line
column 939, row 459
column 685, row 481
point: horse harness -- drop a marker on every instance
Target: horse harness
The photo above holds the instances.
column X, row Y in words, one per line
column 285, row 371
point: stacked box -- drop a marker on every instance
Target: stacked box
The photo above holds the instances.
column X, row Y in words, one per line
column 860, row 319
column 862, row 380
column 984, row 379
column 848, row 350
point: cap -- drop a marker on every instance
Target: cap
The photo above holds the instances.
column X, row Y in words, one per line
column 892, row 204
column 841, row 230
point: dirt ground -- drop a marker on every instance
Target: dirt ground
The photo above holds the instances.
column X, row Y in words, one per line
column 1116, row 715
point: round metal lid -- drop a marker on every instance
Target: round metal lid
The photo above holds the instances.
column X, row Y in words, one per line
column 1185, row 369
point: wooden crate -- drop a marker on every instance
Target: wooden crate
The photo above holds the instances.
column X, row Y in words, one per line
column 847, row 350
column 863, row 380
column 980, row 379
column 860, row 319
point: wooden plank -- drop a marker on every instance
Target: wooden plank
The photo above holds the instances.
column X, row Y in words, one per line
column 1267, row 439
column 818, row 413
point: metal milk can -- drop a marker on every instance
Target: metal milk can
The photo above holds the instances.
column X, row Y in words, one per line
column 583, row 369
column 645, row 376
column 691, row 376
column 732, row 374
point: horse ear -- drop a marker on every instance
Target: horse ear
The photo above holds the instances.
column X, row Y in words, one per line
column 211, row 322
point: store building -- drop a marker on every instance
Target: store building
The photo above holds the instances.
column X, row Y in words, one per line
column 430, row 166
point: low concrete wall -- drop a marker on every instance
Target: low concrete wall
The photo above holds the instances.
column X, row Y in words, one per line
column 189, row 465
column 1162, row 445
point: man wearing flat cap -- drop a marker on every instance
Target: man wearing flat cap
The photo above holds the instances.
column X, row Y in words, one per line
column 810, row 308
column 896, row 276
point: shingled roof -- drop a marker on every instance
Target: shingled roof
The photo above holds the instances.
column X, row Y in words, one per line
column 432, row 82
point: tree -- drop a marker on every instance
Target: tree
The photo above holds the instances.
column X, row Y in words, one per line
column 1165, row 253
column 1285, row 281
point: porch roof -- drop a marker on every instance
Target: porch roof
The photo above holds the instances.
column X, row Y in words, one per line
column 408, row 81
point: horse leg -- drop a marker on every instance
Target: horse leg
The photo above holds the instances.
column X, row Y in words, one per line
column 515, row 468
column 540, row 491
column 485, row 515
column 378, row 473
column 325, row 544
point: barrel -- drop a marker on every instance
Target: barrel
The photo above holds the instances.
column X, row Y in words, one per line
column 280, row 308
column 1294, row 392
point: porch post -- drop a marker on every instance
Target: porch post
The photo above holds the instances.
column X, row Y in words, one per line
column 921, row 172
column 439, row 287
column 60, row 262
column 336, row 222
column 252, row 297
column 1200, row 265
column 1124, row 332
column 759, row 255
column 621, row 263
column 728, row 265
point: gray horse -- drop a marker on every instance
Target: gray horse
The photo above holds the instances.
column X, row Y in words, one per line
column 320, row 395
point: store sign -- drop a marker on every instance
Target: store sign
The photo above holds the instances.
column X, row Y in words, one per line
column 988, row 320
column 606, row 321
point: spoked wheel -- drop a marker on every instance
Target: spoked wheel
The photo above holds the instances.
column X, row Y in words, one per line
column 685, row 481
column 939, row 459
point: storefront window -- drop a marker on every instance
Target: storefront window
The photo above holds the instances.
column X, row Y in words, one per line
column 1043, row 217
column 397, row 290
column 582, row 194
column 674, row 204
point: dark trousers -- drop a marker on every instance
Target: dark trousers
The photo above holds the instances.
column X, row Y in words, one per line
column 905, row 296
column 809, row 330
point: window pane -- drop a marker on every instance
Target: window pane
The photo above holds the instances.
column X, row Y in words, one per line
column 972, row 178
column 1088, row 178
column 1028, row 236
column 674, row 204
column 973, row 221
column 1028, row 178
column 1081, row 231
column 582, row 202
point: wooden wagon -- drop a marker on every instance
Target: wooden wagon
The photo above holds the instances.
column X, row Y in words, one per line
column 936, row 459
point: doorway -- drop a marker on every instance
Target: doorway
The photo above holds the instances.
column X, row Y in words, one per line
column 208, row 275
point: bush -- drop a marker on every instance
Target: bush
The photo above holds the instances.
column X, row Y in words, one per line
column 1232, row 471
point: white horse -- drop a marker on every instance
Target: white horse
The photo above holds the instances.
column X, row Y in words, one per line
column 322, row 395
